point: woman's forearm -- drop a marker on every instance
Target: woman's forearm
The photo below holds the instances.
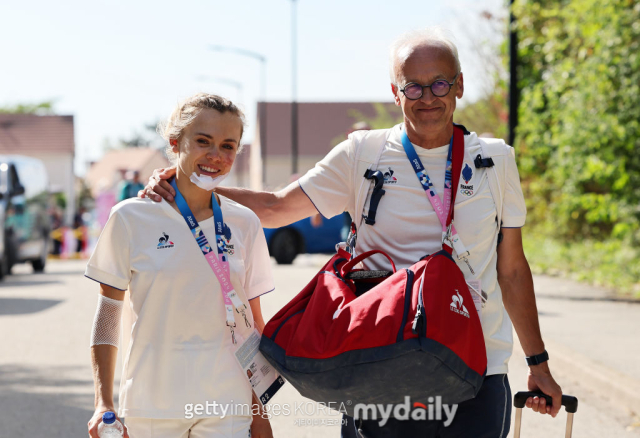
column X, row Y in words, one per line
column 256, row 310
column 103, row 364
column 104, row 338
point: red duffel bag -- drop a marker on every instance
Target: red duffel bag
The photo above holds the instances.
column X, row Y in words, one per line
column 413, row 333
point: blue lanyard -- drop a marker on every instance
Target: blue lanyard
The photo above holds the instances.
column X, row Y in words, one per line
column 444, row 208
column 220, row 263
column 441, row 210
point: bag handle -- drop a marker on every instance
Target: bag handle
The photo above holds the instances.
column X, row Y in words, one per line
column 346, row 268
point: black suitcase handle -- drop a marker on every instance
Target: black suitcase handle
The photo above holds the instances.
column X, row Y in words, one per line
column 569, row 402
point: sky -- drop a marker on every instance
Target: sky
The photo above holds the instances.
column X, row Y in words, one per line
column 117, row 66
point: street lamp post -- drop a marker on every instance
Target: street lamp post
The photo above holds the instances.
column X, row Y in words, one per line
column 513, row 76
column 294, row 91
column 263, row 97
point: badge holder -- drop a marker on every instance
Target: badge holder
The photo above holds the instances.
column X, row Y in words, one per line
column 264, row 379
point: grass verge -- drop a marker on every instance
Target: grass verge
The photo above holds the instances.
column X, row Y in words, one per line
column 612, row 264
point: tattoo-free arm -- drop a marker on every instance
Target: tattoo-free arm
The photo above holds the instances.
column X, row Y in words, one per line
column 103, row 365
column 516, row 282
column 275, row 209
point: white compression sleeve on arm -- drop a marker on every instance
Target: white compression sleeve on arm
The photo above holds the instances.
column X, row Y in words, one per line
column 106, row 323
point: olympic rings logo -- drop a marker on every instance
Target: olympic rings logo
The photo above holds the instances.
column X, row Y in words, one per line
column 467, row 192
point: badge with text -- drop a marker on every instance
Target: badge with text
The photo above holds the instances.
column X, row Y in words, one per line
column 263, row 378
column 465, row 187
column 479, row 296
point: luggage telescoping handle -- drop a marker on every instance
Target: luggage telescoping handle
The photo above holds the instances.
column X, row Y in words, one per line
column 569, row 402
column 346, row 268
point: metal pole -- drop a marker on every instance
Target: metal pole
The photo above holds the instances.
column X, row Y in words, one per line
column 294, row 92
column 516, row 427
column 513, row 76
column 262, row 113
column 263, row 97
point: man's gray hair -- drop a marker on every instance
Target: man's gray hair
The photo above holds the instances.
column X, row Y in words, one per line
column 432, row 36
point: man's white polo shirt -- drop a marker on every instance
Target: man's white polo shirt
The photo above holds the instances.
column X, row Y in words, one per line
column 180, row 350
column 407, row 227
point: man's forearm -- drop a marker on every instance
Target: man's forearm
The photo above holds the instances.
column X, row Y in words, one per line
column 274, row 210
column 520, row 301
column 261, row 203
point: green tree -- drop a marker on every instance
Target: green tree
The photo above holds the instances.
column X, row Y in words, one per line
column 579, row 133
column 41, row 109
column 579, row 129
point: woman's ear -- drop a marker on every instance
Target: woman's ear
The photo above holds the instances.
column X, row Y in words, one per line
column 174, row 145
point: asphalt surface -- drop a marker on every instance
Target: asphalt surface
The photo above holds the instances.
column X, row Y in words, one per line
column 46, row 389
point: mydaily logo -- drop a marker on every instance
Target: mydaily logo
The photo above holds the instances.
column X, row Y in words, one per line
column 434, row 410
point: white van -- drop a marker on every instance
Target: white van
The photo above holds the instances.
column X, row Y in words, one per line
column 24, row 200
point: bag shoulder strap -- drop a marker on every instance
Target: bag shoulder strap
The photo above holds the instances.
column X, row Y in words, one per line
column 368, row 146
column 497, row 150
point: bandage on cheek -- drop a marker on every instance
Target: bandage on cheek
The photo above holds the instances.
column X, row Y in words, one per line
column 106, row 323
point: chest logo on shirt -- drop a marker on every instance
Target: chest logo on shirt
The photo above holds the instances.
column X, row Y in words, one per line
column 164, row 242
column 467, row 173
column 389, row 178
column 225, row 243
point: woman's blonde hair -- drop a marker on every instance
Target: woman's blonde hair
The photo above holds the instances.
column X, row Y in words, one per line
column 187, row 111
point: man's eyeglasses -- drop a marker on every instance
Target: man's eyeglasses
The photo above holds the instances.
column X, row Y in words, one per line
column 439, row 88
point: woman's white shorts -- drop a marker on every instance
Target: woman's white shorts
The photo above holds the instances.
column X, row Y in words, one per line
column 210, row 427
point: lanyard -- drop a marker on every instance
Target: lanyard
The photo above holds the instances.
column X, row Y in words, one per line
column 444, row 210
column 218, row 262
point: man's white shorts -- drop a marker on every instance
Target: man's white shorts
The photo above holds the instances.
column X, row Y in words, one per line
column 210, row 427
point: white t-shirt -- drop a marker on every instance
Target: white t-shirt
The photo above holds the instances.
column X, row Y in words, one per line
column 407, row 227
column 180, row 350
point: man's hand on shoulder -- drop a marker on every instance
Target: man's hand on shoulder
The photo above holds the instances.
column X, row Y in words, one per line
column 540, row 379
column 158, row 187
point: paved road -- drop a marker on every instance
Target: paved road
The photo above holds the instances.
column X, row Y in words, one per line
column 45, row 377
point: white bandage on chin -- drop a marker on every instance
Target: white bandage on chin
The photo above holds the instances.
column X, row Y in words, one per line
column 106, row 323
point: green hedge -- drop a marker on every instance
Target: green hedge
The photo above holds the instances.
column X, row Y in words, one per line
column 578, row 138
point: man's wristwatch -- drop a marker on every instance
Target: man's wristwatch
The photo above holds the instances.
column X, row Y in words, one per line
column 538, row 358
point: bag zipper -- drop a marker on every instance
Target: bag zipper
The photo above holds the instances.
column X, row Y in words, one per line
column 407, row 304
column 420, row 320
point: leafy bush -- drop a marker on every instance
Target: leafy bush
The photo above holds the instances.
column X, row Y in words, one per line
column 579, row 116
column 579, row 135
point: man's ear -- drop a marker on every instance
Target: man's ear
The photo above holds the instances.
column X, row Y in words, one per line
column 460, row 84
column 396, row 97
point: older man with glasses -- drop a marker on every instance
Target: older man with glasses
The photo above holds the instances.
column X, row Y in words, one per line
column 426, row 81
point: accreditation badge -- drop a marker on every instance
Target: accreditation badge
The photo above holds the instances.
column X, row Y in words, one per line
column 263, row 378
column 479, row 296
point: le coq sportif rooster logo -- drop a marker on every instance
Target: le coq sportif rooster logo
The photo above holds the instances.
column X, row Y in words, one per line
column 164, row 239
column 164, row 242
column 457, row 306
column 389, row 178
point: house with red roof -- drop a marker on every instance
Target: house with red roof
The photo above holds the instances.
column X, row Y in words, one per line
column 48, row 138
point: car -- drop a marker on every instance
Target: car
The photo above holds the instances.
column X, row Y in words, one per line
column 24, row 200
column 300, row 237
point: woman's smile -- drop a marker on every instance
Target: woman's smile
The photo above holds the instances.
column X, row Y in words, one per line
column 208, row 170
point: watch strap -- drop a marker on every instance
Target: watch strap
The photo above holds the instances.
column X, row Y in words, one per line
column 538, row 358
